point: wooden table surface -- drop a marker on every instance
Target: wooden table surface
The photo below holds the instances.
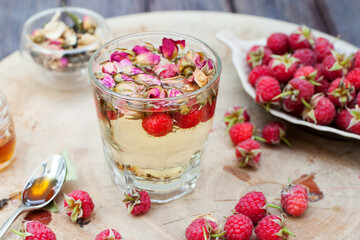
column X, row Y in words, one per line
column 330, row 16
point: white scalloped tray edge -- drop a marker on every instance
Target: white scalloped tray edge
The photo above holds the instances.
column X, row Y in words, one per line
column 239, row 48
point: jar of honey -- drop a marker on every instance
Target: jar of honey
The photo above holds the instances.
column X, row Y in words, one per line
column 7, row 134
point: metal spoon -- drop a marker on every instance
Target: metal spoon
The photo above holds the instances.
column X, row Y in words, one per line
column 53, row 168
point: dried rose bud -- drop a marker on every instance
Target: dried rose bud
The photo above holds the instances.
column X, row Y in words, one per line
column 174, row 93
column 199, row 60
column 169, row 48
column 122, row 77
column 118, row 56
column 89, row 25
column 200, row 78
column 147, row 59
column 156, row 92
column 166, row 70
column 125, row 66
column 109, row 68
column 184, row 63
column 140, row 49
column 127, row 88
column 147, row 79
column 63, row 62
column 208, row 68
column 107, row 81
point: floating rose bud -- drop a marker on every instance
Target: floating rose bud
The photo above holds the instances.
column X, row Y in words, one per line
column 147, row 79
column 130, row 70
column 122, row 77
column 122, row 64
column 169, row 48
column 174, row 93
column 199, row 60
column 107, row 81
column 147, row 59
column 185, row 63
column 118, row 56
column 200, row 78
column 166, row 70
column 126, row 88
column 140, row 49
column 156, row 93
column 208, row 68
column 109, row 68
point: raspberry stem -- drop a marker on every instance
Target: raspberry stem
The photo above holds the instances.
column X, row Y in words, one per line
column 21, row 234
column 259, row 139
column 283, row 95
column 273, row 206
column 287, row 231
column 286, row 142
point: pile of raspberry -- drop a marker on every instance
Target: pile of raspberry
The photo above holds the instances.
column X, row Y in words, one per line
column 242, row 135
column 307, row 78
column 251, row 212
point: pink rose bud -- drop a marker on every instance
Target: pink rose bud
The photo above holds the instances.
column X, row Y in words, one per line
column 199, row 60
column 63, row 61
column 140, row 49
column 169, row 48
column 166, row 70
column 156, row 93
column 107, row 81
column 109, row 68
column 147, row 59
column 174, row 92
column 148, row 79
column 122, row 77
column 130, row 70
column 118, row 56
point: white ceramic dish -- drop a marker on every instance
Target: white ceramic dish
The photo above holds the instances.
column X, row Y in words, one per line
column 239, row 48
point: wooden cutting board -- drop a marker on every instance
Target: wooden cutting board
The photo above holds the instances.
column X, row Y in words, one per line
column 47, row 121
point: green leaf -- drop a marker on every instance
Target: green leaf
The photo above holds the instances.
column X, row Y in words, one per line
column 76, row 20
column 70, row 169
column 52, row 207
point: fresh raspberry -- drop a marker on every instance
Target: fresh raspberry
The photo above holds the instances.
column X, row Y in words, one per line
column 248, row 153
column 190, row 118
column 322, row 48
column 301, row 38
column 349, row 119
column 240, row 132
column 272, row 227
column 306, row 56
column 34, row 230
column 112, row 115
column 157, row 124
column 137, row 202
column 357, row 59
column 238, row 227
column 78, row 205
column 294, row 199
column 320, row 111
column 335, row 66
column 283, row 67
column 294, row 93
column 200, row 227
column 257, row 72
column 354, row 77
column 258, row 55
column 108, row 234
column 309, row 73
column 208, row 110
column 322, row 86
column 275, row 132
column 254, row 206
column 357, row 100
column 278, row 43
column 341, row 92
column 267, row 88
column 235, row 115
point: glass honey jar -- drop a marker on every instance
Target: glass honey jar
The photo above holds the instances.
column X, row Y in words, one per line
column 7, row 134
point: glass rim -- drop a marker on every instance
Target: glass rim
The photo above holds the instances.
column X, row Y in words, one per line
column 95, row 81
column 63, row 9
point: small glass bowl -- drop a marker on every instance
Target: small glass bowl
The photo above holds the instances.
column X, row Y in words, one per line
column 62, row 69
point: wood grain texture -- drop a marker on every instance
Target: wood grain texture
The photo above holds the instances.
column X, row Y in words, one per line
column 212, row 5
column 47, row 121
column 300, row 12
column 343, row 17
